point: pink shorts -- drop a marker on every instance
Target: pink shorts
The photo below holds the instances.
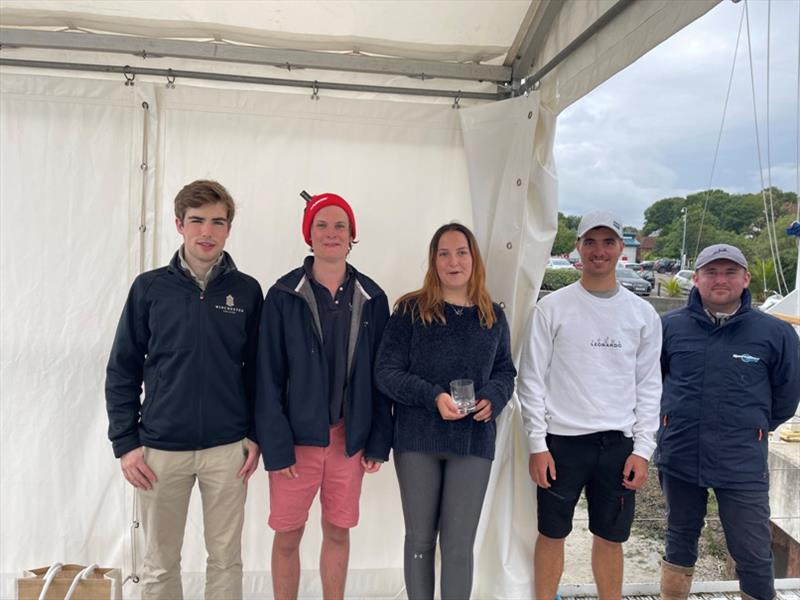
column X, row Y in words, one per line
column 336, row 476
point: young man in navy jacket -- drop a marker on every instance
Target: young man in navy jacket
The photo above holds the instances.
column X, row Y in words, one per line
column 731, row 375
column 321, row 421
column 188, row 332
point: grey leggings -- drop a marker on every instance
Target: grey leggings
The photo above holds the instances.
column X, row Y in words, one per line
column 442, row 494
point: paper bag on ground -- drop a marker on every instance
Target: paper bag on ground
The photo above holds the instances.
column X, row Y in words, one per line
column 101, row 584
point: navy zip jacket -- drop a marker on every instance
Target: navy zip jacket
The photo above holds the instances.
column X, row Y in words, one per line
column 725, row 388
column 292, row 396
column 195, row 353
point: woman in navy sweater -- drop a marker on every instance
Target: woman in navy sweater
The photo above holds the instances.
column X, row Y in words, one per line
column 447, row 330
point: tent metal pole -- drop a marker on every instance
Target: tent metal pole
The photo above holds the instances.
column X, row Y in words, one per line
column 530, row 39
column 172, row 75
column 225, row 52
column 143, row 166
column 587, row 33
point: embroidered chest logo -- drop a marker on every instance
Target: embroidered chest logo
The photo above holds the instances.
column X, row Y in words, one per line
column 230, row 306
column 746, row 358
column 605, row 342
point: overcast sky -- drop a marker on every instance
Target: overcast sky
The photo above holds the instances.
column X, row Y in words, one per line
column 650, row 131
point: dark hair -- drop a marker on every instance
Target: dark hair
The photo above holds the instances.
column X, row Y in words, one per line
column 427, row 303
column 202, row 192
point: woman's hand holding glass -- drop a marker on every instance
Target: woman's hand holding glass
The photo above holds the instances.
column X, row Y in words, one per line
column 483, row 411
column 448, row 407
column 450, row 411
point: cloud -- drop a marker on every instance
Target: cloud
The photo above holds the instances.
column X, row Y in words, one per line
column 650, row 132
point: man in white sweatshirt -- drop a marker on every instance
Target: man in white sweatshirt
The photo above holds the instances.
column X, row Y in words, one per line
column 590, row 386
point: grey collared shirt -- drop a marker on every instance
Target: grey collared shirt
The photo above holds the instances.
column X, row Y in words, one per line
column 210, row 274
column 720, row 318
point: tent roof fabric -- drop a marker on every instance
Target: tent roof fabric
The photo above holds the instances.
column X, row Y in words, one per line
column 579, row 43
column 450, row 30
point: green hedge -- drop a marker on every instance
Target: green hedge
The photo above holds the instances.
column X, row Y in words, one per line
column 558, row 278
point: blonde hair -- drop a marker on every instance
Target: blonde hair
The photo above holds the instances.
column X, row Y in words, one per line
column 427, row 303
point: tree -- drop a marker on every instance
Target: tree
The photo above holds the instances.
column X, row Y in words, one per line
column 670, row 241
column 572, row 221
column 662, row 213
column 566, row 235
column 736, row 219
column 740, row 214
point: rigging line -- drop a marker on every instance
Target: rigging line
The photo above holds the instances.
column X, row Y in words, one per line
column 778, row 265
column 719, row 136
column 758, row 142
column 797, row 140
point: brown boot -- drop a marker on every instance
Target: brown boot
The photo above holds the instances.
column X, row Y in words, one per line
column 676, row 582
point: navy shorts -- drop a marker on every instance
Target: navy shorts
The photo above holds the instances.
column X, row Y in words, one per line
column 595, row 462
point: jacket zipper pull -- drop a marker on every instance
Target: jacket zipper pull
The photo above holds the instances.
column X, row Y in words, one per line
column 202, row 295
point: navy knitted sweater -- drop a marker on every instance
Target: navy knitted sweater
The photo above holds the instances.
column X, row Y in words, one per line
column 417, row 362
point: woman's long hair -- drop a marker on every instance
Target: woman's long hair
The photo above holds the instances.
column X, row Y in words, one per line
column 427, row 303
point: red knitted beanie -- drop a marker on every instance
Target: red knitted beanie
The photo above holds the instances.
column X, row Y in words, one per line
column 319, row 202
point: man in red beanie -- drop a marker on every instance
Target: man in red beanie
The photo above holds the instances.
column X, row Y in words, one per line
column 320, row 420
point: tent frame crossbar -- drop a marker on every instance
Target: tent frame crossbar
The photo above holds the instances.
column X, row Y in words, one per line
column 171, row 75
column 257, row 55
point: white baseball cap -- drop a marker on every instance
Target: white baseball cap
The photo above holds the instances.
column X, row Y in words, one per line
column 600, row 218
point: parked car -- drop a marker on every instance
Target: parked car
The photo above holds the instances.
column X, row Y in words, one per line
column 576, row 262
column 648, row 276
column 633, row 266
column 630, row 280
column 639, row 270
column 647, row 265
column 684, row 279
column 667, row 265
column 556, row 262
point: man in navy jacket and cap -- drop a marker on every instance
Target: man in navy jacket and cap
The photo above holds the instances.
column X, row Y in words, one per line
column 731, row 375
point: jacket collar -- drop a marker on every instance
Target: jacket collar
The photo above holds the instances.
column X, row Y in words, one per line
column 224, row 266
column 308, row 267
column 695, row 305
column 297, row 278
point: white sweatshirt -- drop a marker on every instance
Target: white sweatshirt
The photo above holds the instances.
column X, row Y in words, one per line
column 591, row 364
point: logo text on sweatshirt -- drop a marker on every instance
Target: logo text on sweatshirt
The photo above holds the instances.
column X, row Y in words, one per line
column 605, row 343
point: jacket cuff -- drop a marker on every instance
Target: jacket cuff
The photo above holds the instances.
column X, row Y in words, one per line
column 124, row 445
column 278, row 463
column 378, row 453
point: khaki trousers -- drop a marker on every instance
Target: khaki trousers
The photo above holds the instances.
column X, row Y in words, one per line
column 163, row 514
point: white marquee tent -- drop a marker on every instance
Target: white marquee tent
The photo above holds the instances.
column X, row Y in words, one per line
column 89, row 167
